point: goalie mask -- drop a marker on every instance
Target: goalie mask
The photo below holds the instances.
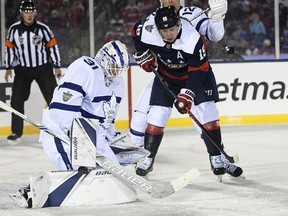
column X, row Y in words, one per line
column 114, row 60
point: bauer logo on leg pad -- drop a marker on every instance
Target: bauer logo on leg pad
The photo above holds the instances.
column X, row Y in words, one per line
column 83, row 140
column 75, row 148
column 132, row 178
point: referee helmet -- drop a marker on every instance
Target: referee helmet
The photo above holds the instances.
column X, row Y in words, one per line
column 27, row 6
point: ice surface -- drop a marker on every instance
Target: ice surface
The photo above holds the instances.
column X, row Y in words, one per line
column 263, row 153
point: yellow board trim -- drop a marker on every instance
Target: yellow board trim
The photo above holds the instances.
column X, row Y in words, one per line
column 184, row 122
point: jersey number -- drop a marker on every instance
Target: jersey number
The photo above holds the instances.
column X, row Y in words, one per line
column 91, row 63
column 188, row 10
column 202, row 53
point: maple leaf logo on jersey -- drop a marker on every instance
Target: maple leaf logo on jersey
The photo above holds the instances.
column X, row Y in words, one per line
column 109, row 108
column 149, row 28
column 66, row 96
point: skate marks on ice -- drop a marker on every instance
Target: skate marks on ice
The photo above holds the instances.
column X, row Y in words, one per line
column 262, row 151
column 240, row 197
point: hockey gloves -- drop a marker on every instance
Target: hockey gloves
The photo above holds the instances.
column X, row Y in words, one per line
column 184, row 100
column 218, row 9
column 145, row 59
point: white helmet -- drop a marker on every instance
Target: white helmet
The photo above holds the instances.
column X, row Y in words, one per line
column 113, row 58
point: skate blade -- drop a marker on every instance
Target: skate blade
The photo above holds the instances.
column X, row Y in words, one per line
column 14, row 142
column 241, row 177
column 219, row 178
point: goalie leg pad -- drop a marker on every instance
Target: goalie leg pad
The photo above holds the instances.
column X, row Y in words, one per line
column 69, row 188
column 83, row 151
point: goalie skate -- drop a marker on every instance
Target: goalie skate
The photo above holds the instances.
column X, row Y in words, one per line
column 22, row 197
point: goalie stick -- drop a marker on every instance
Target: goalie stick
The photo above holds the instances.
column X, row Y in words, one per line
column 146, row 186
column 233, row 159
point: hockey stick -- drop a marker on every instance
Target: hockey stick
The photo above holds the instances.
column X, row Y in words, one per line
column 4, row 106
column 200, row 14
column 233, row 159
column 157, row 191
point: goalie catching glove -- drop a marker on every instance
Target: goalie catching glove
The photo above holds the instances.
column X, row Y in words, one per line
column 184, row 100
column 145, row 59
column 218, row 9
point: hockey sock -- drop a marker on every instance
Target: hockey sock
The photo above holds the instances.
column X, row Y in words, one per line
column 216, row 135
column 152, row 139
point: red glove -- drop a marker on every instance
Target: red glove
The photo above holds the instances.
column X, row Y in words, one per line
column 184, row 100
column 145, row 59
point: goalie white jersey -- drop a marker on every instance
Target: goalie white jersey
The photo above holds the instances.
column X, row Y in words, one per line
column 83, row 93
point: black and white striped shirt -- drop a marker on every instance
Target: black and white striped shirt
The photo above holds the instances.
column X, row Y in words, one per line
column 31, row 46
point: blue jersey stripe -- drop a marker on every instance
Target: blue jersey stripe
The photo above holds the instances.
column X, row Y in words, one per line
column 74, row 87
column 105, row 98
column 61, row 106
column 86, row 114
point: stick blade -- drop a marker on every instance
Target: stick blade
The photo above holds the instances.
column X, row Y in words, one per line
column 234, row 159
column 185, row 179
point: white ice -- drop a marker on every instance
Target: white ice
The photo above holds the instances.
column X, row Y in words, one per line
column 263, row 153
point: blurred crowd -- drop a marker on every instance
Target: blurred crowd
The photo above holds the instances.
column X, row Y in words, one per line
column 57, row 13
column 249, row 24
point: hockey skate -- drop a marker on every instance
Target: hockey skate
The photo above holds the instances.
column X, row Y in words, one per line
column 217, row 165
column 22, row 197
column 230, row 168
column 145, row 166
column 13, row 139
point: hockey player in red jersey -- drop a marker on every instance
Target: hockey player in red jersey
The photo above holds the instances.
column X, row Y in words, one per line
column 172, row 44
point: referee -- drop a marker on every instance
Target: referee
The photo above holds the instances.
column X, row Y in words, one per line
column 29, row 46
